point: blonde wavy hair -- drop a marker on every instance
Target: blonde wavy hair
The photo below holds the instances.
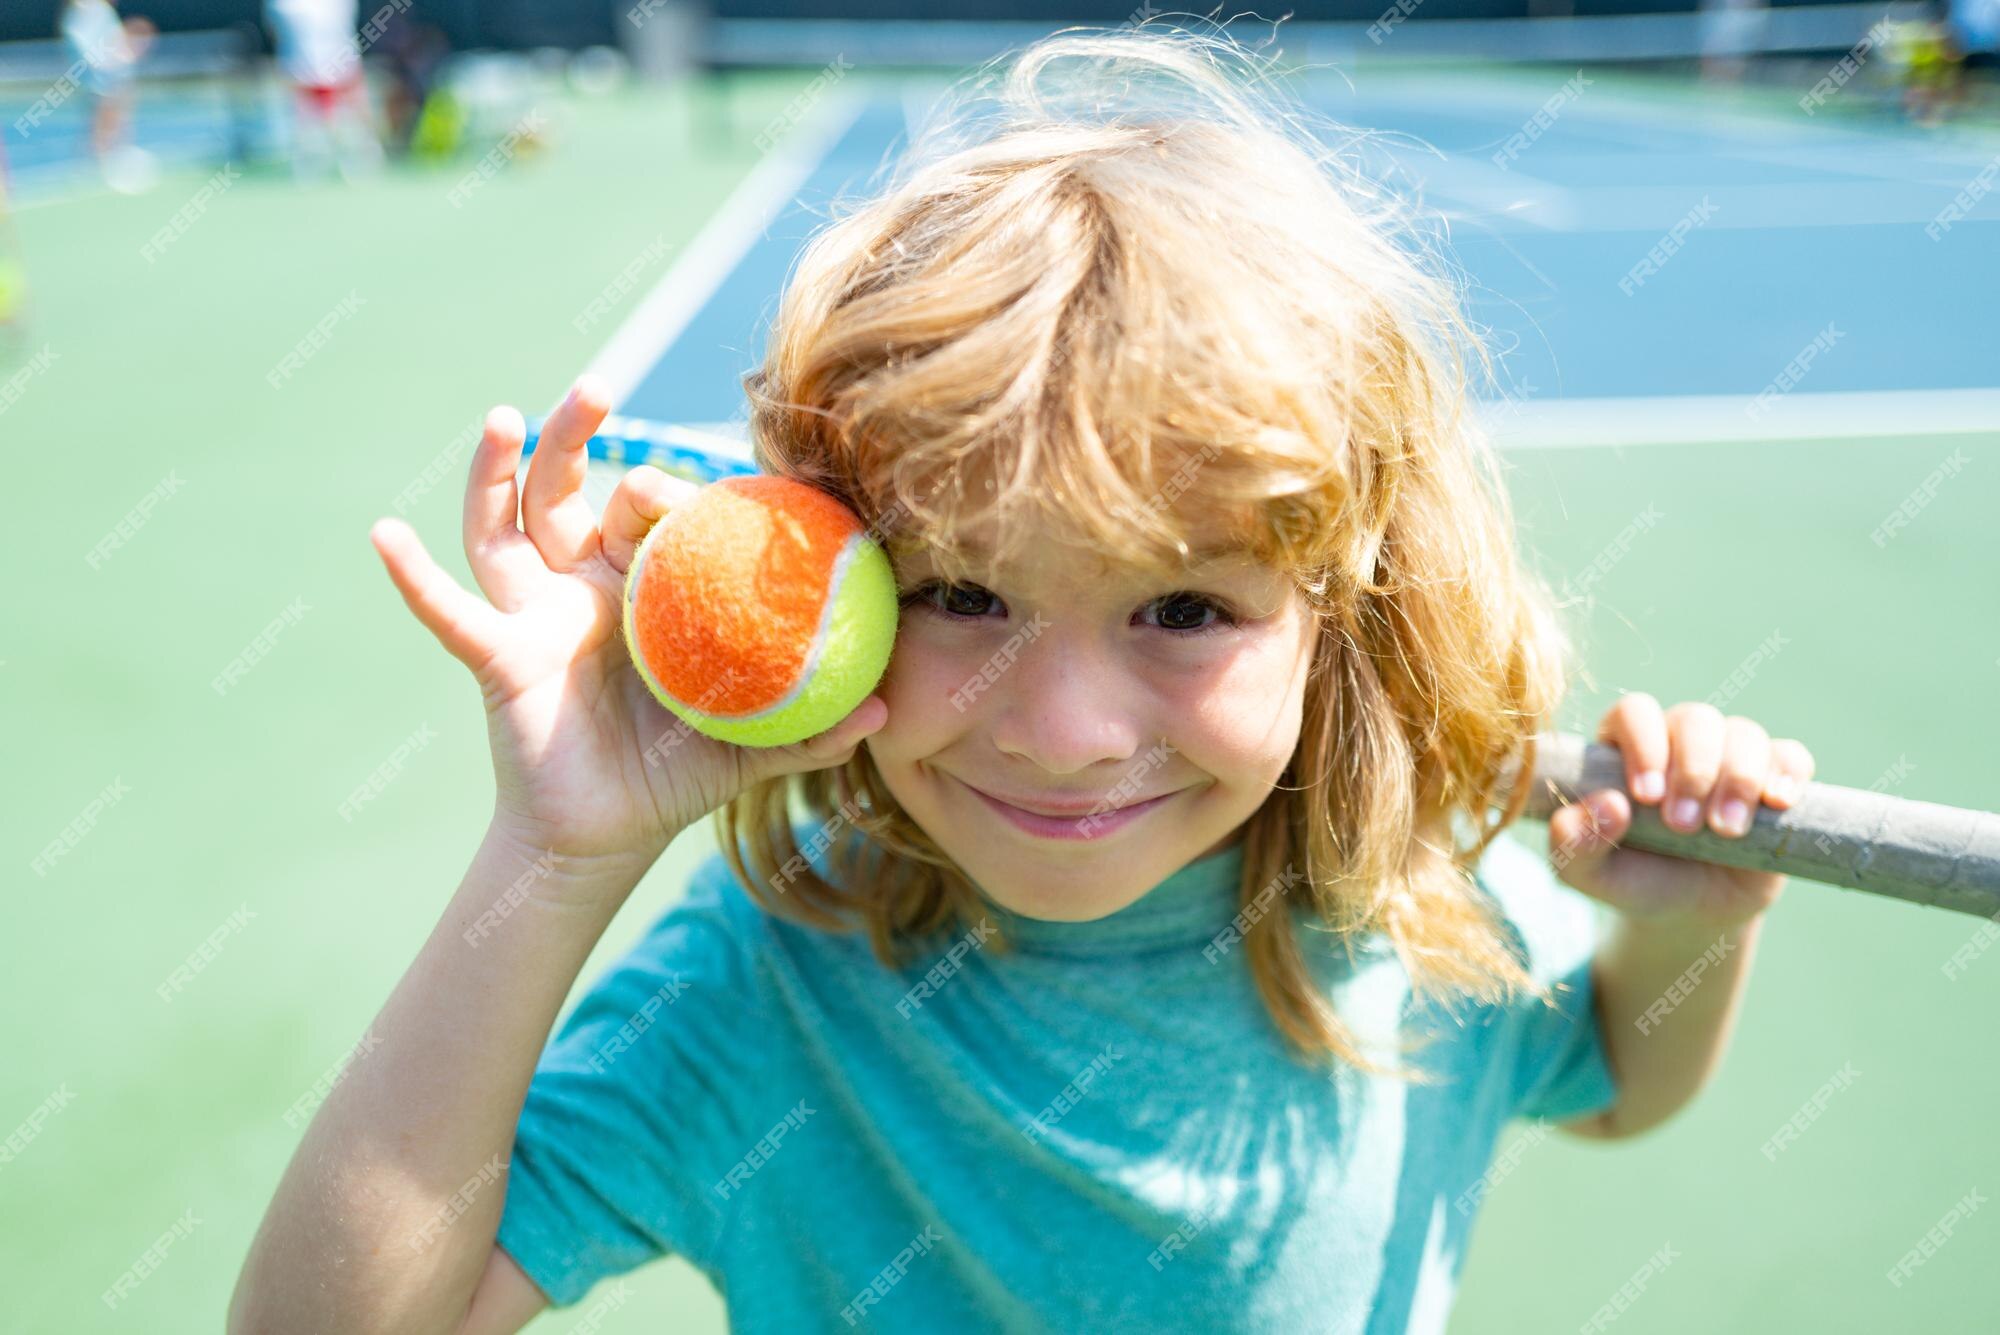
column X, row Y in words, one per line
column 1117, row 269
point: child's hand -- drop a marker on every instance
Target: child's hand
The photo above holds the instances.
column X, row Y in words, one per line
column 1709, row 770
column 586, row 763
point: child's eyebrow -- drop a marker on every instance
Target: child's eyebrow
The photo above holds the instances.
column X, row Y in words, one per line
column 1207, row 554
column 1217, row 551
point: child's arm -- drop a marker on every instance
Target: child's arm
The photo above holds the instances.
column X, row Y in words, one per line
column 1669, row 979
column 1667, row 998
column 385, row 1219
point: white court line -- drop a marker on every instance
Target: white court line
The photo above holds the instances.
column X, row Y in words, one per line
column 1652, row 209
column 1703, row 418
column 1671, row 419
column 728, row 431
column 1696, row 125
column 1493, row 193
column 1695, row 419
column 629, row 354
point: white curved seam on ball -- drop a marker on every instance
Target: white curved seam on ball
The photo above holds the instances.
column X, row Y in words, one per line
column 653, row 683
column 850, row 552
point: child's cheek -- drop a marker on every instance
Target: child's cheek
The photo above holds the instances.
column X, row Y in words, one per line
column 1248, row 705
column 930, row 692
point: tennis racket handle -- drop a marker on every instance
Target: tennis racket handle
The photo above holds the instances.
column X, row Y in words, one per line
column 1922, row 852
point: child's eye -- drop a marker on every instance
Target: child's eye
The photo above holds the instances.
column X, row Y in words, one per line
column 1177, row 610
column 925, row 596
column 1193, row 604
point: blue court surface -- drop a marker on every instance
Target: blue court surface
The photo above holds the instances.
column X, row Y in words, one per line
column 1773, row 234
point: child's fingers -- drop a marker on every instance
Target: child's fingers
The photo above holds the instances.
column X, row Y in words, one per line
column 643, row 498
column 841, row 739
column 1739, row 785
column 1583, row 835
column 1637, row 726
column 836, row 745
column 467, row 627
column 557, row 516
column 505, row 564
column 1698, row 731
column 1792, row 768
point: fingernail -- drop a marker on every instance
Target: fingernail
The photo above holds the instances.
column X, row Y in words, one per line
column 1735, row 816
column 1650, row 786
column 1685, row 811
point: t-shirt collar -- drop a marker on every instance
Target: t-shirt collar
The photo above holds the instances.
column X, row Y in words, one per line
column 1189, row 908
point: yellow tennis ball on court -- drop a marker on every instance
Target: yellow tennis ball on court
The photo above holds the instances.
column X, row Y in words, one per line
column 13, row 289
column 760, row 611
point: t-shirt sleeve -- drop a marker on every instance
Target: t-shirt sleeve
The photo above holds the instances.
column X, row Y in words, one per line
column 1559, row 1067
column 632, row 1101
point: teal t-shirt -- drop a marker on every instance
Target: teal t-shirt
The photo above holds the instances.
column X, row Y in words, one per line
column 1102, row 1130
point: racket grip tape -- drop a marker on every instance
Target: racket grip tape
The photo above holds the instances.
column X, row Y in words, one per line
column 1922, row 852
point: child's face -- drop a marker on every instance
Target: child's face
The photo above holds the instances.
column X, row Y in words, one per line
column 1066, row 683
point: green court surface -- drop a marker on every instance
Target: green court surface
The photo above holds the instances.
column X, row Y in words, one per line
column 154, row 382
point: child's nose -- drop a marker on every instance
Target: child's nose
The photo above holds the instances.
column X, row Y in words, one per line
column 1065, row 710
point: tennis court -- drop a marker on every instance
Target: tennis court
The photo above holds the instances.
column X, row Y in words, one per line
column 1734, row 356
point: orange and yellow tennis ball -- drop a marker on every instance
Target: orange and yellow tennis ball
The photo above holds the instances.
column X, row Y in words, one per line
column 760, row 612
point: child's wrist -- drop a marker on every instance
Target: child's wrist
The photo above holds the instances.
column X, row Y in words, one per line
column 1694, row 926
column 565, row 872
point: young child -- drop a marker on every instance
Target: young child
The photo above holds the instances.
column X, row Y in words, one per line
column 1142, row 954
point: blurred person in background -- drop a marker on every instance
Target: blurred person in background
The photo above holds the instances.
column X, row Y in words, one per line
column 425, row 119
column 109, row 50
column 1731, row 31
column 1929, row 59
column 331, row 119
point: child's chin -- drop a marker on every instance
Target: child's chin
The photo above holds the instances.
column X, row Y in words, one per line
column 1052, row 896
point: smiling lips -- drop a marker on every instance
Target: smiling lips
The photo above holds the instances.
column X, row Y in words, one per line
column 1092, row 821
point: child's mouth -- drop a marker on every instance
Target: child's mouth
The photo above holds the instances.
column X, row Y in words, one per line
column 1096, row 823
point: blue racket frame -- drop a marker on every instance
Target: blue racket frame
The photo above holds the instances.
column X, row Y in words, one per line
column 679, row 451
